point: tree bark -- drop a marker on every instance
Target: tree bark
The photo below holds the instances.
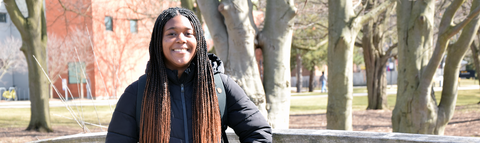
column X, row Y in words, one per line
column 416, row 110
column 475, row 55
column 231, row 24
column 276, row 39
column 310, row 81
column 299, row 72
column 343, row 27
column 33, row 30
column 455, row 54
column 375, row 58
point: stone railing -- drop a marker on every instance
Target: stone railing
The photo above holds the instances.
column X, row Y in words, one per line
column 304, row 136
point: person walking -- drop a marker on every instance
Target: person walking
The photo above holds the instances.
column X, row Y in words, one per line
column 180, row 99
column 323, row 80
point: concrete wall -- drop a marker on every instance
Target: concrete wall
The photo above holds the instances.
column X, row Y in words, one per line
column 304, row 136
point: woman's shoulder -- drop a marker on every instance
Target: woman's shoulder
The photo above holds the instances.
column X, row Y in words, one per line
column 130, row 93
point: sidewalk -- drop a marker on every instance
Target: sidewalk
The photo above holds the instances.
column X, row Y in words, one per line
column 59, row 103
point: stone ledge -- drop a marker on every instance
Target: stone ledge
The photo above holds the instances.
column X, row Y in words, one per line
column 300, row 136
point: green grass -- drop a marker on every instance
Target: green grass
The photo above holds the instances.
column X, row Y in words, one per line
column 315, row 105
column 20, row 117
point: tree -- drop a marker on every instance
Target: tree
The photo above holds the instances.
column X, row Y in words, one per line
column 376, row 56
column 312, row 59
column 416, row 109
column 33, row 30
column 475, row 55
column 232, row 28
column 76, row 49
column 11, row 57
column 309, row 40
column 343, row 28
column 275, row 40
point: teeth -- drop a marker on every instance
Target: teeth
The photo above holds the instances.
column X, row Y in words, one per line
column 179, row 50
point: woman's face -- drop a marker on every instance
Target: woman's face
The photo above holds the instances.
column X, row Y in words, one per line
column 179, row 43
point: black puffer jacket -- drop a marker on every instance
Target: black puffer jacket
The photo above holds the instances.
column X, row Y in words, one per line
column 242, row 115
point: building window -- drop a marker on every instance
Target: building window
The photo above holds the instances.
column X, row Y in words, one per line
column 3, row 17
column 76, row 72
column 133, row 26
column 109, row 23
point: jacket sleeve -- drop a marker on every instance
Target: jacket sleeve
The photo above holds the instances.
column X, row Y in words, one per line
column 243, row 116
column 123, row 126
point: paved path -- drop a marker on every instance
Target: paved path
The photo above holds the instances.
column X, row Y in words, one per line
column 365, row 94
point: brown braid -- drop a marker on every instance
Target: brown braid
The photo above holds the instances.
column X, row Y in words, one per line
column 156, row 112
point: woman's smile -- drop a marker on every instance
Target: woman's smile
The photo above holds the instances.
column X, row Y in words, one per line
column 179, row 43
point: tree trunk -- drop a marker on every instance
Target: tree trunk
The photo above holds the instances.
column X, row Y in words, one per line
column 188, row 4
column 231, row 24
column 310, row 81
column 455, row 54
column 343, row 27
column 416, row 110
column 375, row 63
column 299, row 73
column 276, row 39
column 475, row 55
column 34, row 36
column 375, row 59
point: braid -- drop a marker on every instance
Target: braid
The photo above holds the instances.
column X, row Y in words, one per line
column 155, row 122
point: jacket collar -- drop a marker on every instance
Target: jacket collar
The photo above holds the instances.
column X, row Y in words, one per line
column 187, row 76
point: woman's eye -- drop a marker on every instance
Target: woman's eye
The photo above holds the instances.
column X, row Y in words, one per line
column 171, row 34
column 189, row 33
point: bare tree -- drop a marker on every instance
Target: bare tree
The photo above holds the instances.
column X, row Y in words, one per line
column 11, row 57
column 376, row 55
column 344, row 26
column 33, row 29
column 310, row 38
column 234, row 33
column 416, row 109
column 232, row 28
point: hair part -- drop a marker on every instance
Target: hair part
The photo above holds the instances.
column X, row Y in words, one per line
column 155, row 122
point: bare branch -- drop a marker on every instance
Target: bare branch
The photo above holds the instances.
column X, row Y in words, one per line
column 11, row 57
column 15, row 15
column 319, row 44
column 373, row 13
column 459, row 26
column 389, row 51
column 358, row 44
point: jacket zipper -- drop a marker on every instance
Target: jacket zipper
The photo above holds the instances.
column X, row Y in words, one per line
column 185, row 118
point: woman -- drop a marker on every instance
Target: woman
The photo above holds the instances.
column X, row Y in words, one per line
column 179, row 100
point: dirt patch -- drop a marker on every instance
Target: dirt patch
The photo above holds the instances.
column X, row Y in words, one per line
column 20, row 135
column 465, row 122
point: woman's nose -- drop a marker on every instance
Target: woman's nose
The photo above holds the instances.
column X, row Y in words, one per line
column 181, row 38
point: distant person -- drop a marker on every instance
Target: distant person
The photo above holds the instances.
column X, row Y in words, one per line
column 179, row 94
column 323, row 80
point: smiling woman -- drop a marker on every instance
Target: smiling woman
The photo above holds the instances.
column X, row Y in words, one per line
column 177, row 96
column 179, row 43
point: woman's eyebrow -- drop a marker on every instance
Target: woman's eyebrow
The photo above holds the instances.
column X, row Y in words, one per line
column 173, row 27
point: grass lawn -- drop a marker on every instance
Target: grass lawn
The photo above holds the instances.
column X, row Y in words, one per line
column 316, row 105
column 20, row 117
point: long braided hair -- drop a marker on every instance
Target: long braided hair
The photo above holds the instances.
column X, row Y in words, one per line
column 155, row 122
